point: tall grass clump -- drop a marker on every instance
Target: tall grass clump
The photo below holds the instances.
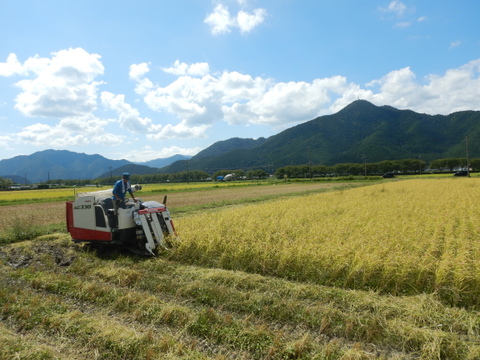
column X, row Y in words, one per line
column 24, row 228
column 402, row 238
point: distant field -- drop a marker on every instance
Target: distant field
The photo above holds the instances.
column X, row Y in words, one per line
column 57, row 194
column 180, row 198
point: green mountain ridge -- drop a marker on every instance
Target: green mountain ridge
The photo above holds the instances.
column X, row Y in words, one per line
column 359, row 132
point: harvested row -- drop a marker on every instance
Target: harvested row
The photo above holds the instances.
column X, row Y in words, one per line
column 112, row 306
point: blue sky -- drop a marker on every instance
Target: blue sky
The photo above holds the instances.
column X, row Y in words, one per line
column 147, row 79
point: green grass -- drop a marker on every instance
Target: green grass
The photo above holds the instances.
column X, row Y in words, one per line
column 123, row 306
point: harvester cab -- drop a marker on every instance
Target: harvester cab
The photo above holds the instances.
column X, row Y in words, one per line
column 141, row 226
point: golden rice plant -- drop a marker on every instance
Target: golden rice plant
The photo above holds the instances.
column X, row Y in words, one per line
column 404, row 237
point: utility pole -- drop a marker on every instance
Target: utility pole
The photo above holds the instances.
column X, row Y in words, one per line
column 309, row 164
column 468, row 165
column 365, row 163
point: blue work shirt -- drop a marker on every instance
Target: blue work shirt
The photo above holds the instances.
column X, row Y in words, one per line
column 120, row 189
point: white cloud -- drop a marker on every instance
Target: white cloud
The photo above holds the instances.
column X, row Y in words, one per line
column 242, row 99
column 137, row 71
column 5, row 142
column 396, row 7
column 221, row 21
column 455, row 44
column 128, row 117
column 62, row 86
column 457, row 90
column 402, row 25
column 247, row 22
column 69, row 132
column 11, row 67
column 181, row 130
column 196, row 69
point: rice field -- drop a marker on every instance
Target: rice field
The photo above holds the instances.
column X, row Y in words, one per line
column 56, row 194
column 310, row 271
column 401, row 238
column 181, row 198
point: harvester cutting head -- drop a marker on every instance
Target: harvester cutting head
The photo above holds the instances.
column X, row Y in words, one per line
column 141, row 226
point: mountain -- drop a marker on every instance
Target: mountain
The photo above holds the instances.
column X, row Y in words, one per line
column 359, row 132
column 222, row 147
column 159, row 163
column 63, row 164
column 214, row 151
column 130, row 168
column 57, row 164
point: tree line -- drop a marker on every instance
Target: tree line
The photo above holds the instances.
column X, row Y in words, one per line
column 405, row 166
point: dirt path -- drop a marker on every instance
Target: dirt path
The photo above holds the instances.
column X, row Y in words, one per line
column 54, row 213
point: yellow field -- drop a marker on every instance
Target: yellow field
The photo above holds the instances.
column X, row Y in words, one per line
column 58, row 193
column 401, row 237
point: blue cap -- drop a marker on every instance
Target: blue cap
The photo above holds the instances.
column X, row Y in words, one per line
column 126, row 175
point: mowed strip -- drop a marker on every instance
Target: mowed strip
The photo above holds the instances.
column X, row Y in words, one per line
column 54, row 212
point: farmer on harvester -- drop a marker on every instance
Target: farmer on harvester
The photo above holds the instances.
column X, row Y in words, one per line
column 120, row 190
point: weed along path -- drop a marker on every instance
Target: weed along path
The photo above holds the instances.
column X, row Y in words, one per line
column 47, row 213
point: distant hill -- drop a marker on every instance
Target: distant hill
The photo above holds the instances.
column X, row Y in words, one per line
column 159, row 163
column 65, row 165
column 214, row 151
column 361, row 131
column 133, row 169
column 223, row 147
column 58, row 164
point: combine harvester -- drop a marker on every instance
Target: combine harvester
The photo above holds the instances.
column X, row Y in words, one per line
column 142, row 226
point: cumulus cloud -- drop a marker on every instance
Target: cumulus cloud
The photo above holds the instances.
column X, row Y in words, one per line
column 128, row 117
column 12, row 66
column 222, row 21
column 61, row 86
column 241, row 99
column 179, row 131
column 247, row 22
column 64, row 89
column 69, row 132
column 137, row 71
column 196, row 69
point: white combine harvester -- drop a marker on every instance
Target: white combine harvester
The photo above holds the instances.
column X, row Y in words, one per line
column 141, row 226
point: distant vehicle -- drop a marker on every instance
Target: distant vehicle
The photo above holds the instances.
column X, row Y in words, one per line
column 461, row 173
column 388, row 175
